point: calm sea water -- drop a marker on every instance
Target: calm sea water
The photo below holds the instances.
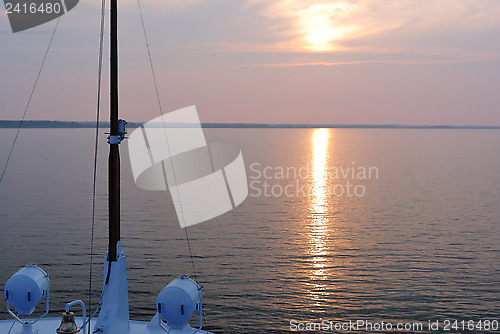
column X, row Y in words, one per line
column 340, row 224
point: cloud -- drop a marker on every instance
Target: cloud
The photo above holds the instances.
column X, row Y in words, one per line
column 326, row 26
column 172, row 6
column 372, row 61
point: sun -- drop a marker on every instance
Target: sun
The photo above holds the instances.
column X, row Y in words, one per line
column 320, row 38
column 323, row 25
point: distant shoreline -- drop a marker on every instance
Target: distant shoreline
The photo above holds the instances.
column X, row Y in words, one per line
column 67, row 124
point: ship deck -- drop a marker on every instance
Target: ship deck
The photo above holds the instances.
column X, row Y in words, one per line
column 49, row 326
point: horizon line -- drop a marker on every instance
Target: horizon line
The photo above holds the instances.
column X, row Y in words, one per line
column 91, row 124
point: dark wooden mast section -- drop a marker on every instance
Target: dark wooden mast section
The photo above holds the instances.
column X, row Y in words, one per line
column 114, row 153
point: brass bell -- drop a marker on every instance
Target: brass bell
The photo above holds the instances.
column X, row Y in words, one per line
column 68, row 325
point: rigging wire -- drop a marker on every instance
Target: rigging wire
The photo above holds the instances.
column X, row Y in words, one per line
column 98, row 112
column 13, row 323
column 161, row 112
column 29, row 100
column 168, row 146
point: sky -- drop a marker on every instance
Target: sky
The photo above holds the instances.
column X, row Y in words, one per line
column 410, row 62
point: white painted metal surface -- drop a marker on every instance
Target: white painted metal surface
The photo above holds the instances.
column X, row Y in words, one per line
column 49, row 326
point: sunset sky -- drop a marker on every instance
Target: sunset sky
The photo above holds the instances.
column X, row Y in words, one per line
column 269, row 61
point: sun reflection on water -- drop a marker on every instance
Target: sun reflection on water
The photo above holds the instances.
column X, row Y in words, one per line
column 318, row 206
column 318, row 200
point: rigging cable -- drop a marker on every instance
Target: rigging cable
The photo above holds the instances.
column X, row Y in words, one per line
column 168, row 146
column 29, row 101
column 13, row 323
column 161, row 113
column 98, row 112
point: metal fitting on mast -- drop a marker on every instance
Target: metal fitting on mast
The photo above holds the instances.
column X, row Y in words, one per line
column 122, row 131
